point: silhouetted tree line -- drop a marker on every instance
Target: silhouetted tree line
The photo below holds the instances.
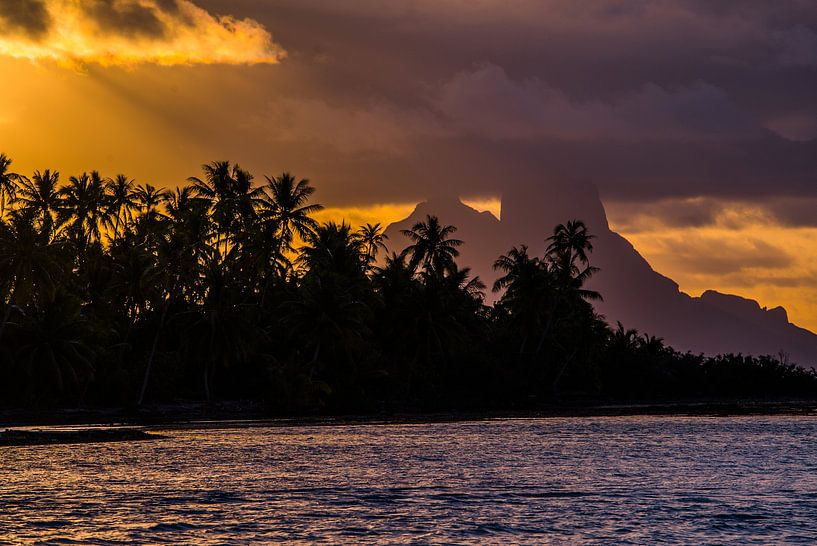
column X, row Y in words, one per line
column 113, row 292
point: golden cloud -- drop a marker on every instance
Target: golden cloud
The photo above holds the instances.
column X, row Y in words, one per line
column 130, row 32
column 755, row 257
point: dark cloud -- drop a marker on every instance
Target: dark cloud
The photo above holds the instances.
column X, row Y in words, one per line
column 633, row 217
column 29, row 16
column 127, row 17
column 487, row 102
column 649, row 100
column 637, row 217
column 799, row 46
column 794, row 212
column 169, row 6
column 391, row 101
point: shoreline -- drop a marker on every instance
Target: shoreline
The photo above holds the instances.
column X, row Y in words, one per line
column 238, row 414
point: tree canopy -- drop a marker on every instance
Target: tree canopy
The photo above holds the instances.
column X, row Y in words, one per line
column 116, row 292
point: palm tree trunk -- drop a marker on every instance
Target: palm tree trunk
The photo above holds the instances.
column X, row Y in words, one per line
column 116, row 225
column 6, row 316
column 562, row 370
column 548, row 326
column 152, row 354
column 316, row 354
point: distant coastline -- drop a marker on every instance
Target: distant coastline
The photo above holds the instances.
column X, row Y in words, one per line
column 125, row 295
column 238, row 414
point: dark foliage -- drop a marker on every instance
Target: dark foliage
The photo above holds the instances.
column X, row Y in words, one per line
column 113, row 293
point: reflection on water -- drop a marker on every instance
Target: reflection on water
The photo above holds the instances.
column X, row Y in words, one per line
column 596, row 480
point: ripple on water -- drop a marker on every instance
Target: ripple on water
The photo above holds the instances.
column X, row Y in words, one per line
column 627, row 480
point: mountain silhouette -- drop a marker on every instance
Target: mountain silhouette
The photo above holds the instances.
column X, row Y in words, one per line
column 634, row 293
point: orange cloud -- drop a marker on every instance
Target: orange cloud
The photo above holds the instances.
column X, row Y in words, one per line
column 385, row 213
column 131, row 32
column 739, row 249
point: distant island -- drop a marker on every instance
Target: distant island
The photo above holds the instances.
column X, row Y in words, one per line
column 118, row 294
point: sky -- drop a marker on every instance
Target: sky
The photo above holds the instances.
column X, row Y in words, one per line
column 696, row 119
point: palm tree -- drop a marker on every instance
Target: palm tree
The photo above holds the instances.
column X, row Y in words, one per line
column 180, row 249
column 260, row 246
column 232, row 198
column 334, row 249
column 373, row 237
column 530, row 292
column 449, row 311
column 135, row 278
column 541, row 292
column 41, row 196
column 569, row 244
column 324, row 316
column 29, row 265
column 572, row 240
column 54, row 348
column 8, row 184
column 183, row 247
column 148, row 199
column 652, row 345
column 623, row 339
column 246, row 199
column 121, row 202
column 83, row 207
column 224, row 329
column 285, row 203
column 431, row 246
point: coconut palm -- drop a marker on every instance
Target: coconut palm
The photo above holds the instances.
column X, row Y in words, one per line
column 217, row 189
column 431, row 246
column 8, row 184
column 334, row 248
column 373, row 238
column 285, row 202
column 449, row 312
column 530, row 292
column 29, row 262
column 224, row 329
column 567, row 256
column 54, row 348
column 121, row 202
column 325, row 319
column 41, row 196
column 260, row 246
column 229, row 191
column 572, row 240
column 181, row 248
column 149, row 202
column 623, row 339
column 148, row 199
column 83, row 208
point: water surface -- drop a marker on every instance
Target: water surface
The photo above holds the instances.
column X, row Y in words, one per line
column 640, row 480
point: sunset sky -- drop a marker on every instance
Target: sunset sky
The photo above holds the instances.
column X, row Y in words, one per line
column 696, row 119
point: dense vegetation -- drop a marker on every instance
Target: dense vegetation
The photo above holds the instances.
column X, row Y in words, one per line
column 114, row 293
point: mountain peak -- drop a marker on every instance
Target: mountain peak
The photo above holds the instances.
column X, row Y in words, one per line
column 634, row 293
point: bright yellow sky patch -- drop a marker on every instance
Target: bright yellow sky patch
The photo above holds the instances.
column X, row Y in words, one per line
column 192, row 36
column 385, row 213
column 485, row 204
